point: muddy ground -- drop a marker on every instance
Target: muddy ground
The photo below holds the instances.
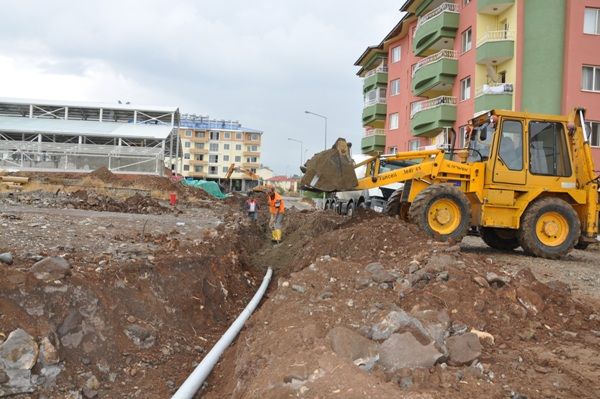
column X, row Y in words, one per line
column 148, row 290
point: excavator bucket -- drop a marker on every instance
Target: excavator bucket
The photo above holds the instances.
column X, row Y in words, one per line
column 330, row 170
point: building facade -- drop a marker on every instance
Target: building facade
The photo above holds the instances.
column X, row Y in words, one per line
column 210, row 146
column 446, row 61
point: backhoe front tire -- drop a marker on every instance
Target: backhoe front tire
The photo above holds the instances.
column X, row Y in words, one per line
column 501, row 239
column 443, row 212
column 550, row 228
column 392, row 207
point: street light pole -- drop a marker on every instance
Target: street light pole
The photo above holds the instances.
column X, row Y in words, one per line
column 324, row 118
column 301, row 149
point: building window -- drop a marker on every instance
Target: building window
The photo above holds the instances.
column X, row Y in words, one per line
column 214, row 135
column 466, row 40
column 212, row 170
column 188, row 133
column 238, row 136
column 461, row 140
column 592, row 130
column 199, row 135
column 413, row 145
column 255, row 137
column 226, row 135
column 225, row 146
column 213, row 158
column 466, row 2
column 394, row 121
column 238, row 147
column 214, row 146
column 591, row 21
column 198, row 169
column 225, row 158
column 199, row 157
column 465, row 89
column 393, row 150
column 396, row 54
column 395, row 87
column 186, row 155
column 591, row 78
column 187, row 144
column 225, row 169
column 238, row 159
column 186, row 168
column 199, row 145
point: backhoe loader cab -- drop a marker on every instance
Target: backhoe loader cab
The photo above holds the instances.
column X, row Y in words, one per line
column 524, row 180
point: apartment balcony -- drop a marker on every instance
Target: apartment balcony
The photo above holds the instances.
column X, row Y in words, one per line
column 198, row 150
column 251, row 165
column 251, row 154
column 199, row 139
column 498, row 96
column 197, row 162
column 495, row 47
column 430, row 117
column 191, row 173
column 493, row 7
column 375, row 77
column 252, row 142
column 436, row 30
column 435, row 74
column 373, row 141
column 374, row 113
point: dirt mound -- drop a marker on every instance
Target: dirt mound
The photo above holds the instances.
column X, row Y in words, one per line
column 494, row 334
column 104, row 175
column 82, row 199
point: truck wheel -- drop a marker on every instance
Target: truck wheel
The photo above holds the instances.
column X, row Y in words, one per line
column 550, row 228
column 350, row 208
column 443, row 212
column 502, row 239
column 392, row 207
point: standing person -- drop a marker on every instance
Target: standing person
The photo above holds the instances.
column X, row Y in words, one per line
column 276, row 209
column 252, row 207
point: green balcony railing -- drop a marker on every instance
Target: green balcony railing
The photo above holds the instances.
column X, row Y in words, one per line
column 495, row 47
column 375, row 78
column 373, row 141
column 436, row 30
column 430, row 117
column 374, row 114
column 435, row 73
column 498, row 96
column 493, row 7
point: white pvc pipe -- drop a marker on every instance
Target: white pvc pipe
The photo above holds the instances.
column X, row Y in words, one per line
column 190, row 386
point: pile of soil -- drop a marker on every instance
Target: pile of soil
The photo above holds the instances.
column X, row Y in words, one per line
column 82, row 199
column 104, row 175
column 338, row 274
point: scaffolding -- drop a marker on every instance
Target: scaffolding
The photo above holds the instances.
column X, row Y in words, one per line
column 81, row 137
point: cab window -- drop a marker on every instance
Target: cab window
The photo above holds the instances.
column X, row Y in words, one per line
column 548, row 154
column 511, row 145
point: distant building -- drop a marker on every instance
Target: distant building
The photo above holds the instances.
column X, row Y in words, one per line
column 69, row 136
column 446, row 61
column 210, row 146
column 288, row 184
column 265, row 173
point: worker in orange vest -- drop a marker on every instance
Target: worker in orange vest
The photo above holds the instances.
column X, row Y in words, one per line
column 276, row 209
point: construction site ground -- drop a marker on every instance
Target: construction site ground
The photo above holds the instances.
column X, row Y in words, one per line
column 358, row 307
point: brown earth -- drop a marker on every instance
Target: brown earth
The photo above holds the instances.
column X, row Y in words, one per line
column 149, row 293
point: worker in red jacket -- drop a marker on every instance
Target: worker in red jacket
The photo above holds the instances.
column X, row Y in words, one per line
column 276, row 209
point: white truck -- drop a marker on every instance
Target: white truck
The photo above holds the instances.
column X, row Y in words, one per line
column 346, row 202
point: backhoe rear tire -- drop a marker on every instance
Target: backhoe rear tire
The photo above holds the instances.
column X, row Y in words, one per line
column 392, row 207
column 550, row 228
column 443, row 212
column 501, row 239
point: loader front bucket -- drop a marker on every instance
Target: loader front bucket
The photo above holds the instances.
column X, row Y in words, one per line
column 330, row 170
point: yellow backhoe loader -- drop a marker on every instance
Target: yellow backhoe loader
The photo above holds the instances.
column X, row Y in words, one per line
column 524, row 180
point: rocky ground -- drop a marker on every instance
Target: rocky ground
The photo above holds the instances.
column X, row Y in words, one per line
column 124, row 303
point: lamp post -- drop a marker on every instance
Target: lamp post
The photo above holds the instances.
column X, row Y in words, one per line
column 301, row 149
column 325, row 119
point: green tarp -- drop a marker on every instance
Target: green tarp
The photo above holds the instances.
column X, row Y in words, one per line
column 210, row 187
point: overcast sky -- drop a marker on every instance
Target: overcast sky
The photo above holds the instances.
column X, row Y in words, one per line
column 262, row 62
